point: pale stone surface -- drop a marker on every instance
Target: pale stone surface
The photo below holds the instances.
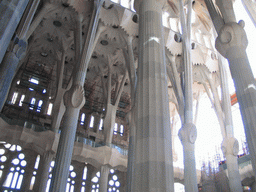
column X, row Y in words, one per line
column 153, row 169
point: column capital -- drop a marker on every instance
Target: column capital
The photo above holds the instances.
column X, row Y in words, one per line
column 231, row 35
column 230, row 146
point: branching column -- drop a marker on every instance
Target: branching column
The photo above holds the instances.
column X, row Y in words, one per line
column 73, row 100
column 153, row 167
column 188, row 132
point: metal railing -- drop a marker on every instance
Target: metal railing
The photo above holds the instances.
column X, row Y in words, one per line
column 121, row 149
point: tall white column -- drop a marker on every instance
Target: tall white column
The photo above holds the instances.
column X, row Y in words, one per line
column 153, row 167
column 188, row 132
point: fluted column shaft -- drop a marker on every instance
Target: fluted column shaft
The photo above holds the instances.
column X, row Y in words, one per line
column 153, row 169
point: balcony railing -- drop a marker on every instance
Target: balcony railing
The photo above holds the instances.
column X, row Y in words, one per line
column 121, row 149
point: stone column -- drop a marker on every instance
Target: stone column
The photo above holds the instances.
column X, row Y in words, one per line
column 130, row 118
column 153, row 167
column 79, row 170
column 89, row 176
column 43, row 171
column 231, row 43
column 12, row 58
column 230, row 146
column 104, row 172
column 31, row 159
column 74, row 100
column 10, row 13
column 188, row 132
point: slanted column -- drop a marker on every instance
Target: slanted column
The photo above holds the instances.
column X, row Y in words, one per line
column 43, row 171
column 231, row 43
column 153, row 167
column 10, row 62
column 104, row 172
column 10, row 13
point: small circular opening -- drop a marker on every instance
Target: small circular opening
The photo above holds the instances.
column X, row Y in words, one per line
column 65, row 4
column 135, row 18
column 177, row 38
column 104, row 42
column 44, row 54
column 57, row 23
column 193, row 45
